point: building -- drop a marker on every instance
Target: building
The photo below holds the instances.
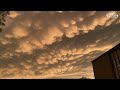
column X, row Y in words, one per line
column 107, row 66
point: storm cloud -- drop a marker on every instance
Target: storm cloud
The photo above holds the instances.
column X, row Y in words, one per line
column 55, row 44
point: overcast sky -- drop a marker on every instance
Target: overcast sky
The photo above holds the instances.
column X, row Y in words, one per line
column 56, row 44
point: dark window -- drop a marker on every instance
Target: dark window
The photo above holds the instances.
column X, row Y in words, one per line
column 116, row 63
column 118, row 53
column 112, row 56
column 116, row 57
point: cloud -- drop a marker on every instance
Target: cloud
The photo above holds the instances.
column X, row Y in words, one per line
column 68, row 26
column 19, row 32
column 13, row 14
column 37, row 44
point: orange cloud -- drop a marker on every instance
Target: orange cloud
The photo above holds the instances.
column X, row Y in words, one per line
column 53, row 44
column 19, row 32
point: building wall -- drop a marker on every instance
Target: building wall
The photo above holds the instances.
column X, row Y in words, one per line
column 103, row 67
column 107, row 66
column 115, row 57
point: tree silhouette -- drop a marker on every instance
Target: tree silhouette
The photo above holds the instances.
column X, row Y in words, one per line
column 3, row 14
column 84, row 78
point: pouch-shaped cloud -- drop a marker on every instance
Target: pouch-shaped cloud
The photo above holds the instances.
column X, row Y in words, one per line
column 41, row 44
column 19, row 32
column 13, row 14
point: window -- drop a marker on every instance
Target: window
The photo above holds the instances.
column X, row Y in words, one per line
column 112, row 56
column 116, row 63
column 118, row 53
column 116, row 57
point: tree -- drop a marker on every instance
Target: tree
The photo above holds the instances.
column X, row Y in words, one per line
column 3, row 14
column 84, row 78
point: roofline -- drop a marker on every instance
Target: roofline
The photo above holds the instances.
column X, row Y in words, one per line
column 115, row 47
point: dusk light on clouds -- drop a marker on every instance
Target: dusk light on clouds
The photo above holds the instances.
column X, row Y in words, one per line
column 55, row 44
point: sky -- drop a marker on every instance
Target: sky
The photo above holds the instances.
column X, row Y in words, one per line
column 55, row 44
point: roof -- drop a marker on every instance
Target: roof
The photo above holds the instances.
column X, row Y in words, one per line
column 112, row 49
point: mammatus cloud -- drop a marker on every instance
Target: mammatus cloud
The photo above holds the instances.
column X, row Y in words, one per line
column 37, row 44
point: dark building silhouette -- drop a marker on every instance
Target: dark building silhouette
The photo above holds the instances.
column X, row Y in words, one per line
column 107, row 66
